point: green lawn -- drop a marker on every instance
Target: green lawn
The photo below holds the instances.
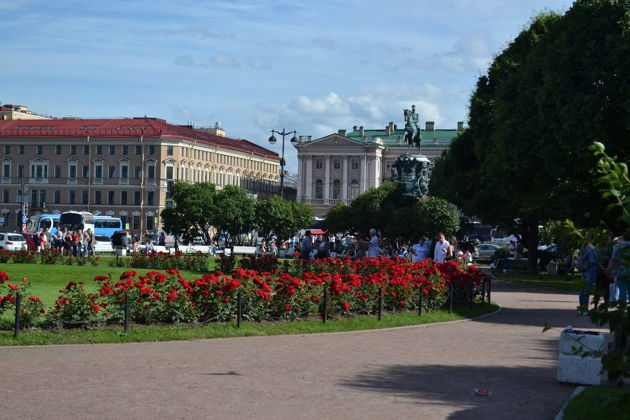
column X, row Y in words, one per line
column 571, row 282
column 143, row 333
column 599, row 403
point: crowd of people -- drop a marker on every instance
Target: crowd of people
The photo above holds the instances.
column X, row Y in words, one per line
column 75, row 243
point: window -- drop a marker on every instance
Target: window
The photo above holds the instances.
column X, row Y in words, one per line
column 125, row 150
column 112, row 150
column 124, row 170
column 151, row 172
column 34, row 198
column 86, row 171
column 112, row 171
column 110, row 197
column 20, row 170
column 355, row 164
column 136, row 222
column 73, row 149
column 57, row 171
column 97, row 197
column 319, row 189
column 336, row 164
column 86, row 150
column 169, row 150
column 151, row 149
column 149, row 225
column 98, row 170
column 42, row 198
column 5, row 196
column 57, row 197
column 150, row 195
column 40, row 149
column 136, row 198
column 354, row 189
column 57, row 149
column 123, row 198
column 73, row 197
column 319, row 164
column 138, row 150
column 99, row 149
column 21, row 149
column 169, row 172
column 72, row 171
column 7, row 149
column 137, row 171
column 123, row 220
column 39, row 170
column 6, row 170
column 336, row 195
column 84, row 197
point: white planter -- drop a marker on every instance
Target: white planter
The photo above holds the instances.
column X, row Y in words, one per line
column 572, row 367
column 588, row 340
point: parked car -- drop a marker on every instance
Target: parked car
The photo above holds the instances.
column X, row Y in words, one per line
column 103, row 243
column 12, row 241
column 485, row 252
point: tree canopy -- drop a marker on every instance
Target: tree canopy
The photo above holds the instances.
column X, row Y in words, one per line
column 282, row 217
column 561, row 84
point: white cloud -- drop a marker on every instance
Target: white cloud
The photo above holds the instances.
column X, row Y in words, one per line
column 470, row 53
column 224, row 60
column 324, row 42
column 184, row 60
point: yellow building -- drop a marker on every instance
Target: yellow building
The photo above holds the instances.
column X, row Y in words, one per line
column 18, row 112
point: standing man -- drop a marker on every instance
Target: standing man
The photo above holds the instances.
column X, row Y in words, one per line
column 307, row 246
column 620, row 269
column 421, row 250
column 373, row 249
column 589, row 272
column 441, row 248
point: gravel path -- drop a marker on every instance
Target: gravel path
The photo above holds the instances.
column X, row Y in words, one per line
column 424, row 372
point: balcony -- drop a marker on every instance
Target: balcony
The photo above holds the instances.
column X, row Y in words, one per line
column 124, row 181
column 72, row 181
column 325, row 201
column 97, row 181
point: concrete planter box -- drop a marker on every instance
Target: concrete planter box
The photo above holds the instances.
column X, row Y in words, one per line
column 575, row 369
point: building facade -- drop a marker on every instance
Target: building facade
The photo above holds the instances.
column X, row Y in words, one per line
column 338, row 167
column 119, row 167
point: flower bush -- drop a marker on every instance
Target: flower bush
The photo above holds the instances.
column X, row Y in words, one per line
column 163, row 260
column 32, row 307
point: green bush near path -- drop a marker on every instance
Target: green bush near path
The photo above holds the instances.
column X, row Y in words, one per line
column 570, row 282
column 598, row 403
column 222, row 330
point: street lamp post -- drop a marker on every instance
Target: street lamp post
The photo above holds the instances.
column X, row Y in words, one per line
column 273, row 140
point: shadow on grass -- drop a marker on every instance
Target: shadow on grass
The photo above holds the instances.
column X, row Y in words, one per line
column 517, row 392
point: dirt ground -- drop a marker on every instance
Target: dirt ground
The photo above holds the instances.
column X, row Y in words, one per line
column 421, row 372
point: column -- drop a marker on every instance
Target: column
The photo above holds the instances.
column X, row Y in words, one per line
column 363, row 181
column 344, row 179
column 327, row 178
column 300, row 180
column 308, row 177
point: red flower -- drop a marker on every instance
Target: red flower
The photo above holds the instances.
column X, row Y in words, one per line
column 345, row 306
column 13, row 286
column 287, row 307
column 96, row 308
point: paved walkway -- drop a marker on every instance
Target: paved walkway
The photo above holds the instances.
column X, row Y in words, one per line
column 425, row 372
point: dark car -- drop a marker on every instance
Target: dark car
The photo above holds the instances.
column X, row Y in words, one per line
column 119, row 238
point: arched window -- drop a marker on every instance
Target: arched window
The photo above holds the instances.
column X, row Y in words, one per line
column 336, row 193
column 354, row 189
column 319, row 189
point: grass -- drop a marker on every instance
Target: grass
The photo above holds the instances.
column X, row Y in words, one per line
column 570, row 282
column 222, row 330
column 599, row 403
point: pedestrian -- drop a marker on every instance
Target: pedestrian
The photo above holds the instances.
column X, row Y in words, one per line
column 361, row 247
column 373, row 248
column 421, row 249
column 306, row 246
column 620, row 268
column 587, row 264
column 441, row 248
column 323, row 247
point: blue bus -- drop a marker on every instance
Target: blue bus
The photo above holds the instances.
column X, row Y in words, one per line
column 107, row 225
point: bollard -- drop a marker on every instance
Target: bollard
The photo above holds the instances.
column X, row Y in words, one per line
column 489, row 290
column 18, row 314
column 380, row 303
column 483, row 293
column 325, row 309
column 239, row 310
column 126, row 313
column 472, row 295
column 420, row 301
column 450, row 297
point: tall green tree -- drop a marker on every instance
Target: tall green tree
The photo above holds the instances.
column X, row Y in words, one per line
column 193, row 211
column 234, row 211
column 282, row 217
column 559, row 85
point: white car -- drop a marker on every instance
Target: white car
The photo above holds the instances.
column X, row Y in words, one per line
column 103, row 243
column 12, row 241
column 485, row 252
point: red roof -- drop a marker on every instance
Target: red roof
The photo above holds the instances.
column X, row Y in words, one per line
column 117, row 128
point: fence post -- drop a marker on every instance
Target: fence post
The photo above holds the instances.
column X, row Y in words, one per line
column 325, row 309
column 126, row 312
column 489, row 290
column 380, row 303
column 239, row 310
column 18, row 314
column 420, row 300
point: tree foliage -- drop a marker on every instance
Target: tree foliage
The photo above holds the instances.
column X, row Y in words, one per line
column 234, row 211
column 561, row 84
column 193, row 211
column 282, row 217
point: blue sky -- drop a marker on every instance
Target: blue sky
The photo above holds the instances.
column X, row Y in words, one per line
column 254, row 65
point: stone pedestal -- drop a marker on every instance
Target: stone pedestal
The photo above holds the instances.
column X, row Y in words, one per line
column 415, row 171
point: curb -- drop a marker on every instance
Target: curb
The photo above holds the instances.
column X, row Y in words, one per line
column 577, row 392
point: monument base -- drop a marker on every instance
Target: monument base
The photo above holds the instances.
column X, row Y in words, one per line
column 414, row 170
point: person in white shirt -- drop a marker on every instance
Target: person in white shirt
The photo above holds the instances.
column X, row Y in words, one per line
column 441, row 248
column 373, row 249
column 421, row 250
